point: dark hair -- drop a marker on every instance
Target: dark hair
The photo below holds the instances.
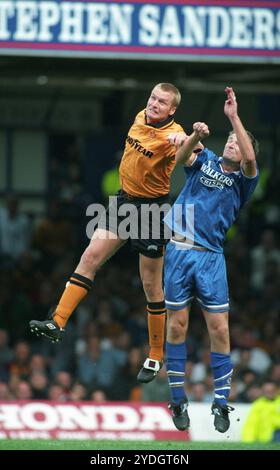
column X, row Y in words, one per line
column 253, row 140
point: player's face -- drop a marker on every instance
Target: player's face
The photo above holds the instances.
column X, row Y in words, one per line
column 160, row 105
column 232, row 150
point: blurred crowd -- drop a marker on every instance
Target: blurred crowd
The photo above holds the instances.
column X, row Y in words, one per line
column 106, row 339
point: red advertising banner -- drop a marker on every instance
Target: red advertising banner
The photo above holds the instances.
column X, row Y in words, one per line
column 85, row 420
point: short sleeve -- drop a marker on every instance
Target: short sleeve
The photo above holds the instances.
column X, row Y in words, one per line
column 201, row 158
column 247, row 186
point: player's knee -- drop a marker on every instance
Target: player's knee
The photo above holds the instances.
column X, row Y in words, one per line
column 176, row 330
column 220, row 332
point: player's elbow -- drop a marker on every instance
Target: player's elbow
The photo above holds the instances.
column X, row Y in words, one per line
column 250, row 158
column 181, row 157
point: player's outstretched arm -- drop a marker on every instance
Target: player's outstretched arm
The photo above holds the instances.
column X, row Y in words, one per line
column 248, row 162
column 185, row 153
column 179, row 138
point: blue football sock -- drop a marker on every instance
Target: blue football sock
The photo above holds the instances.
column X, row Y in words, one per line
column 222, row 372
column 175, row 358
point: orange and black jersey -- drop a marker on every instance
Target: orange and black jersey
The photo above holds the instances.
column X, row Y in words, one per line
column 148, row 159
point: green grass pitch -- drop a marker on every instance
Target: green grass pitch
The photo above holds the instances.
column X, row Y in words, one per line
column 130, row 445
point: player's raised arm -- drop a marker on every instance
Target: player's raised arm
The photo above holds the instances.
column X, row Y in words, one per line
column 185, row 153
column 248, row 162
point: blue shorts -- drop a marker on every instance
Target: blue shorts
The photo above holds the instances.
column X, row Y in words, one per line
column 190, row 274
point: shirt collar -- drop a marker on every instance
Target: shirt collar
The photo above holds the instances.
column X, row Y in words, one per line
column 220, row 160
column 160, row 124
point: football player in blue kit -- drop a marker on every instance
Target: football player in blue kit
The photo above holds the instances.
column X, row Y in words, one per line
column 215, row 190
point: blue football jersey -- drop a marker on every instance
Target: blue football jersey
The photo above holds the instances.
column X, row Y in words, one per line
column 209, row 202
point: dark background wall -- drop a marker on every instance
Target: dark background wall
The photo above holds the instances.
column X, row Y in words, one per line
column 85, row 107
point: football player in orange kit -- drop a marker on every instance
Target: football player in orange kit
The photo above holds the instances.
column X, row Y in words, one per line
column 145, row 170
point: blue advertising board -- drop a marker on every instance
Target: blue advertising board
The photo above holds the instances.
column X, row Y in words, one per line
column 181, row 30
